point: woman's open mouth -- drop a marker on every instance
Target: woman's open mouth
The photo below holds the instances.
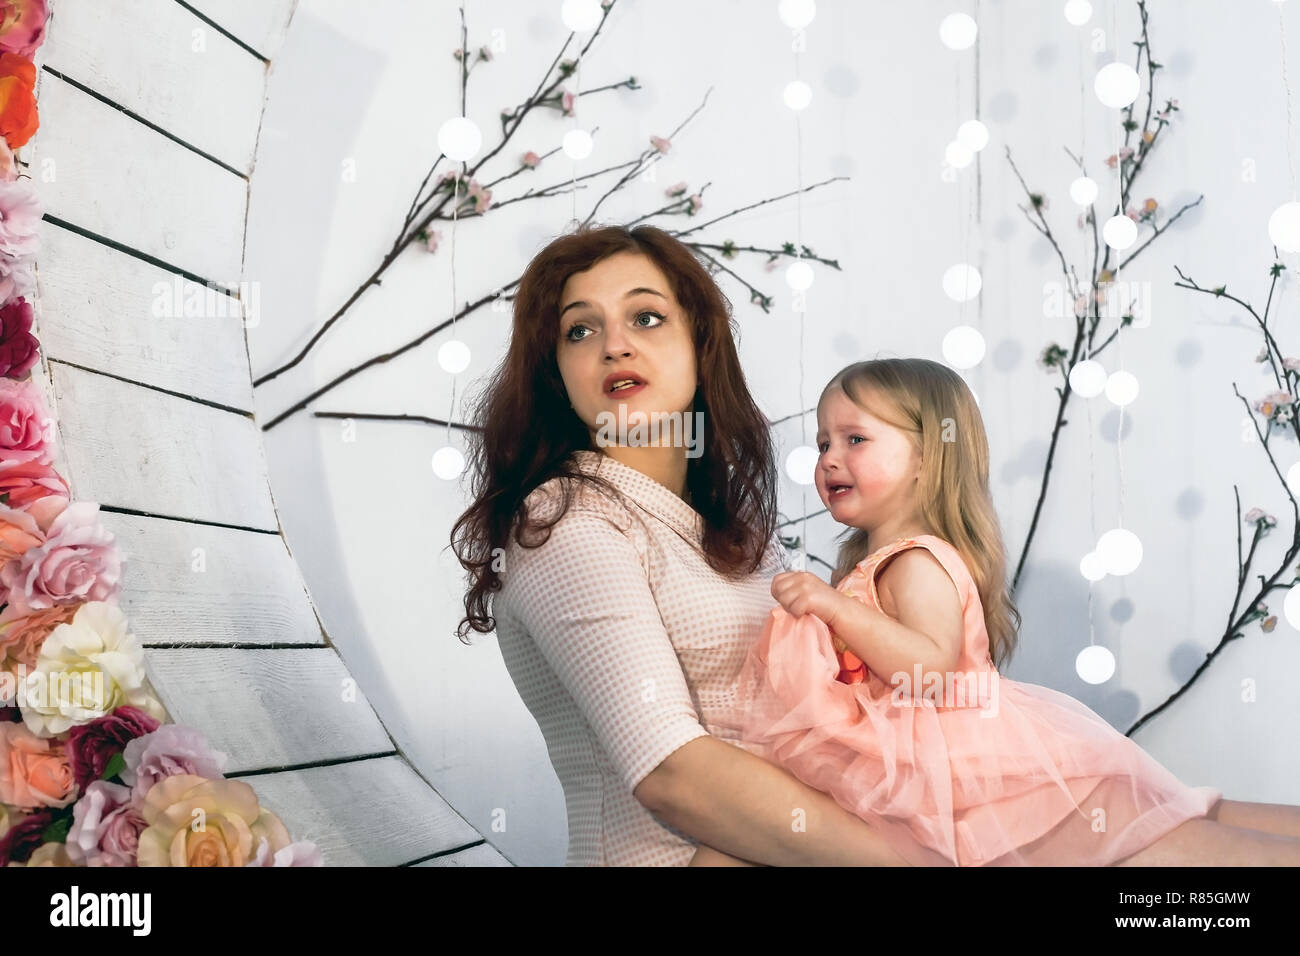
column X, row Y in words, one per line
column 625, row 387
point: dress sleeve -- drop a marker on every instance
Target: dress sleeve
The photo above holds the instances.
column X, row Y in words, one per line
column 584, row 599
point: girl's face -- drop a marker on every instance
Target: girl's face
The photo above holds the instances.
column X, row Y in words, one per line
column 867, row 469
column 619, row 320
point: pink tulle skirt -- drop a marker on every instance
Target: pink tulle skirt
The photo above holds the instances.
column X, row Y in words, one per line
column 988, row 771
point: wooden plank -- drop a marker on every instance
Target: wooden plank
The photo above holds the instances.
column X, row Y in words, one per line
column 364, row 813
column 481, row 855
column 268, row 708
column 261, row 24
column 98, row 169
column 188, row 460
column 109, row 311
column 207, row 585
column 175, row 71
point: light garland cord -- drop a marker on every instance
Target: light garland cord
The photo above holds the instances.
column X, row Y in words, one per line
column 798, row 236
column 1290, row 116
column 455, row 210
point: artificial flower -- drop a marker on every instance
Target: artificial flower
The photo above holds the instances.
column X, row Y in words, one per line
column 18, row 115
column 106, row 826
column 77, row 562
column 19, row 349
column 22, row 25
column 26, row 425
column 168, row 750
column 34, row 771
column 233, row 823
column 91, row 746
column 94, row 648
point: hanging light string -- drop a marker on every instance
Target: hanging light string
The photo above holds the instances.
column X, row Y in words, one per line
column 798, row 238
column 1119, row 332
column 1290, row 116
column 573, row 177
column 455, row 210
column 1087, row 403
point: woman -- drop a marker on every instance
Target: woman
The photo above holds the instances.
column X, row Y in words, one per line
column 632, row 571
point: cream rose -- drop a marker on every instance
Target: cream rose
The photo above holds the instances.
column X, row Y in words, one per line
column 197, row 821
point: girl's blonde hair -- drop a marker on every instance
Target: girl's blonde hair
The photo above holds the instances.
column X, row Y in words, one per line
column 932, row 405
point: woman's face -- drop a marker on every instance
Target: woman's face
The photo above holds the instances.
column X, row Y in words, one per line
column 619, row 319
column 867, row 469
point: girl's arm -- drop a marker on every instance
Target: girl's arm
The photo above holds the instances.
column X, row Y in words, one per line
column 924, row 626
column 735, row 801
column 707, row 856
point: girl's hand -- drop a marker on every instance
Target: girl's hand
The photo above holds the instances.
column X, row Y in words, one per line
column 802, row 592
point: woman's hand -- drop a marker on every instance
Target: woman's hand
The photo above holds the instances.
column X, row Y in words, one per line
column 802, row 592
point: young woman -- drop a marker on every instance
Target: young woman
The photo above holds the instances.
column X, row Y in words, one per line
column 629, row 571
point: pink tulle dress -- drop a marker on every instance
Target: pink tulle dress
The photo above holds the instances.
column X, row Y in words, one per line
column 980, row 771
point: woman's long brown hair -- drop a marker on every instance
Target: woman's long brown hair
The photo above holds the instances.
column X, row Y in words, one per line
column 525, row 429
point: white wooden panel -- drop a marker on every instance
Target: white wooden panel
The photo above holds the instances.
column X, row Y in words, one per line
column 259, row 23
column 268, row 708
column 481, row 855
column 138, row 448
column 207, row 585
column 106, row 310
column 363, row 813
column 118, row 178
column 175, row 71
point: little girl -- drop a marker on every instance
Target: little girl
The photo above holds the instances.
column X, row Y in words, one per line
column 882, row 691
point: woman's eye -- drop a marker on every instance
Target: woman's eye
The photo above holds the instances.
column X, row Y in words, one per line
column 570, row 336
column 655, row 314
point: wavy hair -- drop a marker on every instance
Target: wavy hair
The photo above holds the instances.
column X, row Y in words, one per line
column 932, row 405
column 524, row 430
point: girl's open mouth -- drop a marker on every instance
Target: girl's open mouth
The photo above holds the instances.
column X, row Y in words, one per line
column 835, row 492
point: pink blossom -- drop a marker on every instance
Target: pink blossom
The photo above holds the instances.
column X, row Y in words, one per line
column 171, row 749
column 1257, row 514
column 302, row 853
column 531, row 159
column 77, row 562
column 22, row 26
column 26, row 426
column 431, row 242
column 482, row 197
column 566, row 103
column 485, row 53
column 677, row 190
column 20, row 217
column 1290, row 364
column 660, row 143
column 696, row 204
column 106, row 826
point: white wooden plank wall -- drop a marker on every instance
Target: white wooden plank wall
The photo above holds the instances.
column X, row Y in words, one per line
column 150, row 112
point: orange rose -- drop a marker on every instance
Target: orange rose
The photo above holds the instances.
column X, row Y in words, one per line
column 21, row 636
column 18, row 117
column 18, row 532
column 33, row 770
column 231, row 829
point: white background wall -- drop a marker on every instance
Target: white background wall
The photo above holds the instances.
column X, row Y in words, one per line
column 369, row 521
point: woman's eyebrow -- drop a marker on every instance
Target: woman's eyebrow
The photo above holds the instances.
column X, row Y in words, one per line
column 626, row 295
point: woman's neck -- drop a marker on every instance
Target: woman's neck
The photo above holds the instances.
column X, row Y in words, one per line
column 665, row 465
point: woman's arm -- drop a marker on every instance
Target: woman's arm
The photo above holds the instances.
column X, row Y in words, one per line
column 734, row 801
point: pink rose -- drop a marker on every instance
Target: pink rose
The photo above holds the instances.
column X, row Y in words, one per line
column 34, row 771
column 78, row 563
column 17, row 275
column 91, row 746
column 302, row 853
column 106, row 826
column 34, row 487
column 18, row 347
column 26, row 426
column 20, row 215
column 22, row 26
column 169, row 750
